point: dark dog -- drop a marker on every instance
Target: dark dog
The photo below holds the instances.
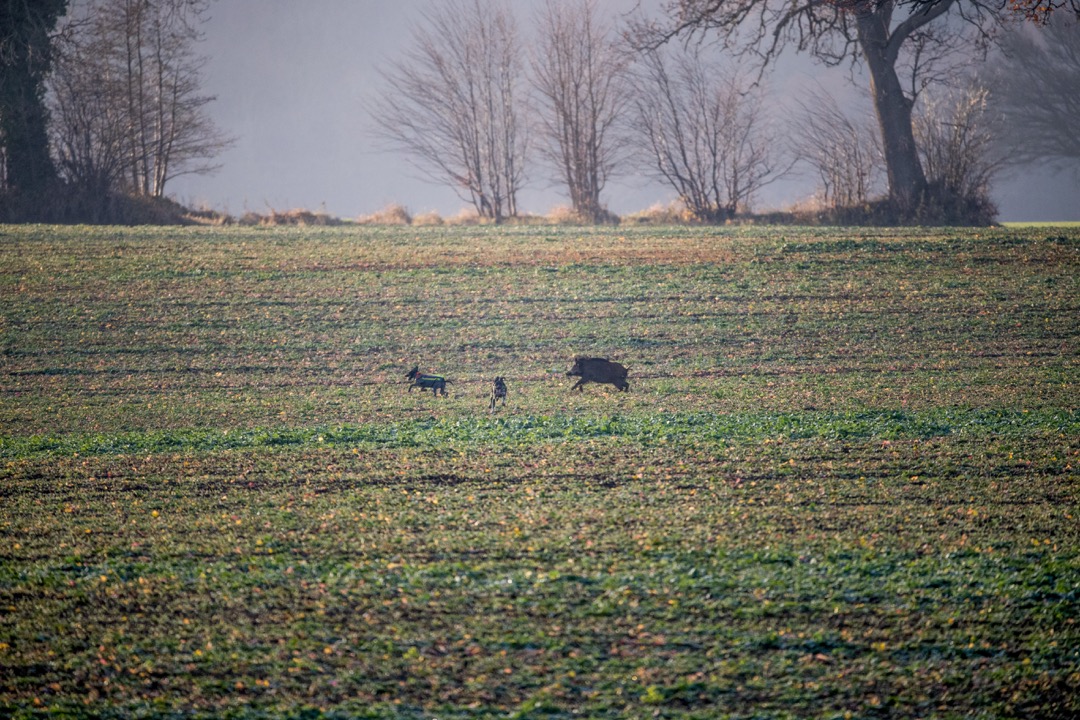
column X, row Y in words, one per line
column 436, row 383
column 498, row 391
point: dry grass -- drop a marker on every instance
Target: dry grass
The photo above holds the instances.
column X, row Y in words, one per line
column 298, row 217
column 467, row 217
column 428, row 219
column 393, row 214
column 672, row 213
column 563, row 215
column 209, row 217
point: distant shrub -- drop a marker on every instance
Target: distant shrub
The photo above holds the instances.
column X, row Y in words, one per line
column 70, row 204
column 563, row 215
column 209, row 216
column 944, row 206
column 527, row 220
column 466, row 216
column 393, row 214
column 938, row 207
column 673, row 213
column 298, row 217
column 428, row 219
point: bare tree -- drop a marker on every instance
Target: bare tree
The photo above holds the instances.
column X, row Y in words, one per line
column 579, row 70
column 955, row 141
column 879, row 33
column 705, row 133
column 843, row 151
column 170, row 133
column 126, row 94
column 88, row 122
column 1035, row 90
column 453, row 103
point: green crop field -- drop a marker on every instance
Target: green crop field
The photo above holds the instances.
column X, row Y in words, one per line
column 844, row 482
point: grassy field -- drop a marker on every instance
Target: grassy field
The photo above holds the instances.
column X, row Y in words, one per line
column 844, row 482
column 1033, row 224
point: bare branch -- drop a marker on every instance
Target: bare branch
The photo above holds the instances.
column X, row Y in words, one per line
column 844, row 152
column 579, row 72
column 130, row 114
column 706, row 133
column 453, row 104
column 1035, row 94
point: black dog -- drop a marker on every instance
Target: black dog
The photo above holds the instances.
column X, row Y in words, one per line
column 498, row 391
column 436, row 383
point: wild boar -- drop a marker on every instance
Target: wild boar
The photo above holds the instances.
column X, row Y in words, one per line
column 598, row 370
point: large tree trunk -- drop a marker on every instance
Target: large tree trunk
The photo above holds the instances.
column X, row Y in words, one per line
column 25, row 56
column 29, row 167
column 907, row 181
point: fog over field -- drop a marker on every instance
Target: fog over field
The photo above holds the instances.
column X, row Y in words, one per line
column 294, row 82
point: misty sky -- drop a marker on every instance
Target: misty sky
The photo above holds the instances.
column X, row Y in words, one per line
column 294, row 79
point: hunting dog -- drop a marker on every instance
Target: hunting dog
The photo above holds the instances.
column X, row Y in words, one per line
column 498, row 392
column 436, row 383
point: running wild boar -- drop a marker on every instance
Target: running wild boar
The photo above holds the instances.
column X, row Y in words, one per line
column 598, row 370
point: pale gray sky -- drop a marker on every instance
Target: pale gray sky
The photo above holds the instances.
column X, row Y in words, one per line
column 293, row 81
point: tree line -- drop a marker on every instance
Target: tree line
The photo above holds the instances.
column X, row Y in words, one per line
column 681, row 97
column 101, row 101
